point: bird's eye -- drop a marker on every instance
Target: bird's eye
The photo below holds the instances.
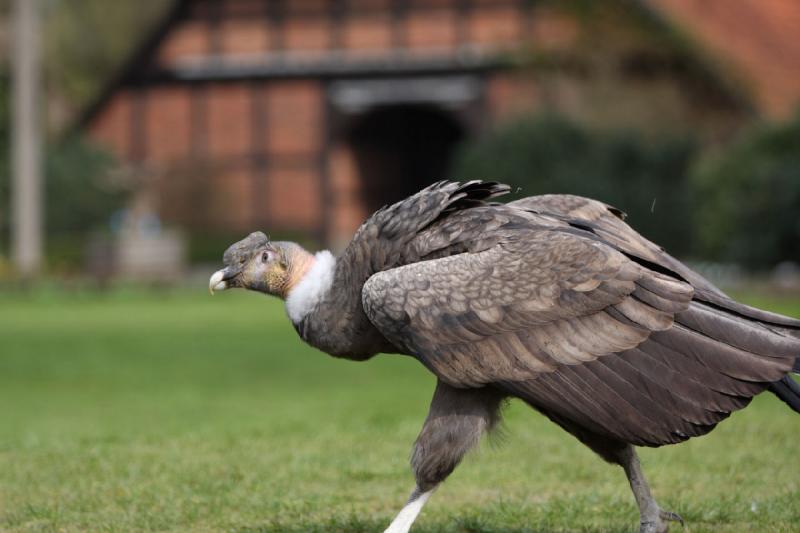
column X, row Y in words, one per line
column 265, row 257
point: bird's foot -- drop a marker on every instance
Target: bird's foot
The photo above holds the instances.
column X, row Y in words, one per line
column 658, row 522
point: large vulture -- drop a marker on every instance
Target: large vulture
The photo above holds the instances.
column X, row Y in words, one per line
column 551, row 299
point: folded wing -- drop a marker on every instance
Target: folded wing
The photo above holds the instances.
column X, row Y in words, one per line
column 577, row 328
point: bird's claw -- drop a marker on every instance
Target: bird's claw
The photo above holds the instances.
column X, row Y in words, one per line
column 672, row 517
column 658, row 523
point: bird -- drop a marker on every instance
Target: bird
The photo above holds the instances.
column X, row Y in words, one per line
column 554, row 300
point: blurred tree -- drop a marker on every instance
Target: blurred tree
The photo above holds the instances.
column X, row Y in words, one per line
column 644, row 177
column 80, row 197
column 747, row 198
column 86, row 42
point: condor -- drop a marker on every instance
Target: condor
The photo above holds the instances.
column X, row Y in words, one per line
column 551, row 299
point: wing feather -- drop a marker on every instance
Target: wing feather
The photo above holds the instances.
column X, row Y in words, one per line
column 535, row 299
column 578, row 326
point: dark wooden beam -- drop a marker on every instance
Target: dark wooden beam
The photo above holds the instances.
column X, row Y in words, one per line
column 213, row 21
column 259, row 170
column 395, row 63
column 276, row 16
column 312, row 12
column 463, row 12
column 339, row 11
column 198, row 146
column 138, row 124
column 528, row 10
column 399, row 24
column 325, row 190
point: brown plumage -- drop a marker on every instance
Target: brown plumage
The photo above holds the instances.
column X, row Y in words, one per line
column 551, row 299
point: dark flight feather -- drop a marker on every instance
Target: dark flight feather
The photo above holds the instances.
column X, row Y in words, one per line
column 787, row 390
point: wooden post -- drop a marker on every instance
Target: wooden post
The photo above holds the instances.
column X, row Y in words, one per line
column 26, row 198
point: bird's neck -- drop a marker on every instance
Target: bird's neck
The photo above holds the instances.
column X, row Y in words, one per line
column 300, row 262
column 310, row 280
column 326, row 310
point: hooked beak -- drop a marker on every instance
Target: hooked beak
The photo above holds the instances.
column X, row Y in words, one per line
column 219, row 279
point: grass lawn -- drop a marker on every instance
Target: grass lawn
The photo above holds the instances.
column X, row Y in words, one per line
column 170, row 411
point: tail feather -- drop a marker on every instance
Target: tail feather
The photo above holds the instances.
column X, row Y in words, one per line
column 746, row 348
column 749, row 335
column 788, row 390
column 791, row 325
column 735, row 346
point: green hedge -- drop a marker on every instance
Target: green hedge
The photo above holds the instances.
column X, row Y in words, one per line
column 646, row 178
column 79, row 194
column 747, row 198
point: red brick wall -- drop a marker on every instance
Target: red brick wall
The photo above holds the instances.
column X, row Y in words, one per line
column 499, row 26
column 432, row 28
column 244, row 36
column 111, row 126
column 307, row 27
column 347, row 209
column 369, row 32
column 509, row 95
column 293, row 197
column 294, row 115
column 293, row 145
column 310, row 36
column 551, row 29
column 272, row 177
column 167, row 124
column 370, row 5
column 233, row 192
column 229, row 133
column 187, row 39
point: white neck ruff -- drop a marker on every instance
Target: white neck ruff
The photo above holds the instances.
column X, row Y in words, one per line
column 312, row 287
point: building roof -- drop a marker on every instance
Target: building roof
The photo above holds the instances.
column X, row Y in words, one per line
column 759, row 40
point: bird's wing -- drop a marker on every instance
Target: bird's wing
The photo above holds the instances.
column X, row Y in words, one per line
column 382, row 240
column 580, row 331
column 609, row 224
column 522, row 307
column 577, row 207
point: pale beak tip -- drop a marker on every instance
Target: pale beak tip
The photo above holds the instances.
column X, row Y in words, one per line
column 216, row 282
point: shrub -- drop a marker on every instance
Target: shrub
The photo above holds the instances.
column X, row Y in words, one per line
column 747, row 198
column 646, row 178
column 79, row 199
column 78, row 196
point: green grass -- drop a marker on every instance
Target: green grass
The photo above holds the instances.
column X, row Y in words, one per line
column 170, row 411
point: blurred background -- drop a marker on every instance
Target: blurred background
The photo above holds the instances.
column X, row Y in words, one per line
column 169, row 129
column 139, row 138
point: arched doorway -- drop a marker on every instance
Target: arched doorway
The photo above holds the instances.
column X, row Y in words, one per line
column 399, row 149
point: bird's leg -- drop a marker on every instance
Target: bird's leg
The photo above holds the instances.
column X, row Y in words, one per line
column 653, row 518
column 402, row 522
column 455, row 423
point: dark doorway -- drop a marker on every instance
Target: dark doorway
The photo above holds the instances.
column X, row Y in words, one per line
column 400, row 149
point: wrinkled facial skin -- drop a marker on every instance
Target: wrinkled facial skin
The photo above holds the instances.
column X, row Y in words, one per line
column 253, row 263
column 266, row 272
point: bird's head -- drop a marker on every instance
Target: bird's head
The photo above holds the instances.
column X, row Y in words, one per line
column 258, row 264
